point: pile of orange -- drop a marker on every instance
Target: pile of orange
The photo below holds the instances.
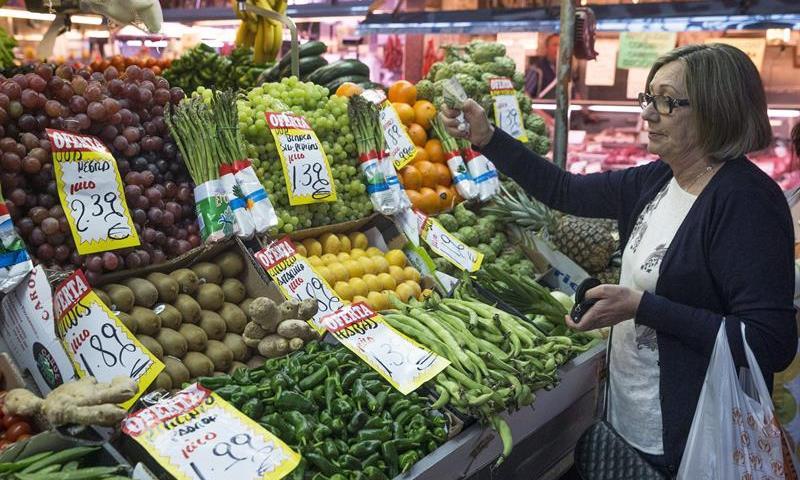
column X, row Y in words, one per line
column 427, row 178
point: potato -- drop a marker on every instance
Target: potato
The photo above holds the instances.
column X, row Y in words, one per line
column 273, row 346
column 296, row 329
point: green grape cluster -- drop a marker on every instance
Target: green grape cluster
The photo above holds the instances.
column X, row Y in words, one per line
column 328, row 117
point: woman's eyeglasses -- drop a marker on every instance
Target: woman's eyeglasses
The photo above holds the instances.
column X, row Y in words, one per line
column 664, row 104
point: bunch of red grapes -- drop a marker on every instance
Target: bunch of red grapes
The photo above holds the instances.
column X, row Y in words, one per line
column 126, row 111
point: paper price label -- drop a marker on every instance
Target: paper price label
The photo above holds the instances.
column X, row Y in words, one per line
column 91, row 193
column 297, row 279
column 449, row 247
column 404, row 363
column 96, row 341
column 507, row 114
column 398, row 142
column 196, row 435
column 305, row 165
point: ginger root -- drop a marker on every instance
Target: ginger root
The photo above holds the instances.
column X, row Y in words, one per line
column 84, row 401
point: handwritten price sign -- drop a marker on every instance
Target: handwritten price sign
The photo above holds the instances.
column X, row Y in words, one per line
column 507, row 114
column 305, row 165
column 399, row 144
column 196, row 435
column 96, row 341
column 90, row 190
column 404, row 363
column 449, row 247
column 297, row 279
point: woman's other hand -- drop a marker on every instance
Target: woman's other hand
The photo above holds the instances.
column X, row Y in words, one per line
column 614, row 305
column 480, row 130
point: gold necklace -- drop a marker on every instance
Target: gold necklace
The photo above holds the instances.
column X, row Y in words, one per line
column 699, row 176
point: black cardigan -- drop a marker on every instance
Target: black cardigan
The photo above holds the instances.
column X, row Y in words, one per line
column 731, row 258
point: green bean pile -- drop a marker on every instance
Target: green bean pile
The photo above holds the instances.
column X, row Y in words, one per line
column 63, row 465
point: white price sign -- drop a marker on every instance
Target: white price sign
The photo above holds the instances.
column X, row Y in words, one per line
column 398, row 142
column 305, row 166
column 449, row 247
column 97, row 341
column 297, row 279
column 91, row 194
column 404, row 363
column 199, row 436
column 507, row 114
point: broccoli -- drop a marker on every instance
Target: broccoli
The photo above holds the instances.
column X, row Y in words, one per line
column 519, row 80
column 533, row 122
column 448, row 221
column 484, row 52
column 502, row 66
column 488, row 254
column 425, row 90
column 464, row 216
column 467, row 235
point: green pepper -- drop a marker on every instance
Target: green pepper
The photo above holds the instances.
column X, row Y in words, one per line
column 294, row 401
column 213, row 383
column 374, row 386
column 318, row 394
column 329, row 449
column 432, row 445
column 380, row 398
column 242, row 377
column 349, row 377
column 406, row 414
column 407, row 460
column 364, row 449
column 319, row 476
column 227, row 391
column 238, row 398
column 342, row 356
column 338, row 476
column 374, row 473
column 358, row 393
column 299, row 472
column 376, row 422
column 350, row 462
column 394, row 397
column 396, row 429
column 321, row 432
column 341, row 445
column 253, row 408
column 390, row 457
column 374, row 434
column 342, row 407
column 300, row 424
column 399, row 407
column 277, row 425
column 313, row 380
column 439, row 434
column 250, row 391
column 321, row 463
column 325, row 417
column 338, row 425
column 357, row 421
column 331, row 386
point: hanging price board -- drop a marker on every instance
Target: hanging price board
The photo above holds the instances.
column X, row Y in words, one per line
column 449, row 247
column 96, row 341
column 196, row 435
column 305, row 165
column 398, row 142
column 403, row 362
column 507, row 115
column 297, row 279
column 91, row 193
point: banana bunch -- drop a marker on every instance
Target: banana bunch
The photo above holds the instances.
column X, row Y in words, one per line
column 263, row 35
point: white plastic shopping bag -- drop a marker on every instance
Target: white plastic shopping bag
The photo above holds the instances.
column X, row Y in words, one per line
column 734, row 433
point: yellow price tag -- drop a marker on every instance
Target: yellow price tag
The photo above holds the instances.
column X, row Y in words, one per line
column 196, row 435
column 96, row 341
column 305, row 165
column 449, row 247
column 507, row 114
column 398, row 142
column 91, row 193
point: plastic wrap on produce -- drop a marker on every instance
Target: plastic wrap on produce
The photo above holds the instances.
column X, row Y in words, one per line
column 258, row 202
column 245, row 228
column 381, row 195
column 213, row 212
column 15, row 263
column 461, row 177
column 484, row 174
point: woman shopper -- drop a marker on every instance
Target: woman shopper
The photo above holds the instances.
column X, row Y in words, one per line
column 707, row 237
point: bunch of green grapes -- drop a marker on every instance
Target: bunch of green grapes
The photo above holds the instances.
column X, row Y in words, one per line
column 328, row 117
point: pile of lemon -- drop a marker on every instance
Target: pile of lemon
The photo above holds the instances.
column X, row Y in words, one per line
column 359, row 272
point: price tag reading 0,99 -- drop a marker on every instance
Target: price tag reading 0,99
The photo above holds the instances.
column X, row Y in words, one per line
column 305, row 165
column 449, row 247
column 196, row 435
column 90, row 190
column 398, row 142
column 404, row 363
column 297, row 279
column 507, row 114
column 96, row 341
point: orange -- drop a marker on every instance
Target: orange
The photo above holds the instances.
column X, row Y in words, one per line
column 445, row 198
column 424, row 112
column 443, row 176
column 412, row 179
column 403, row 91
column 457, row 198
column 405, row 112
column 414, row 197
column 348, row 89
column 427, row 173
column 421, row 156
column 428, row 200
column 435, row 151
column 417, row 134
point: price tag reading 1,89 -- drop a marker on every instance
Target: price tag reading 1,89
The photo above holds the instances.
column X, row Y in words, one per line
column 96, row 341
column 449, row 247
column 404, row 363
column 297, row 279
column 507, row 114
column 398, row 142
column 305, row 165
column 90, row 190
column 196, row 435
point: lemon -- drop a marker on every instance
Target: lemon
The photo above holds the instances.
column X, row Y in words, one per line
column 387, row 282
column 358, row 240
column 368, row 265
column 330, row 243
column 339, row 272
column 381, row 264
column 329, row 258
column 343, row 257
column 411, row 273
column 315, row 261
column 404, row 292
column 373, row 284
column 397, row 273
column 374, row 252
column 325, row 273
column 360, row 299
column 301, row 250
column 312, row 246
column 426, row 293
column 357, row 253
column 354, row 268
column 414, row 286
column 343, row 290
column 344, row 240
column 396, row 257
column 358, row 286
column 378, row 300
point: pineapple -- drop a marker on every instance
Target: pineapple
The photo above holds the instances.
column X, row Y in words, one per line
column 610, row 275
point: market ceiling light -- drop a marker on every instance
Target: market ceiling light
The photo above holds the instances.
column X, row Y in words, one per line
column 783, row 113
column 552, row 106
column 615, row 108
column 49, row 17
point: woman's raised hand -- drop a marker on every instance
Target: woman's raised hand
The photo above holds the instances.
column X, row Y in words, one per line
column 480, row 131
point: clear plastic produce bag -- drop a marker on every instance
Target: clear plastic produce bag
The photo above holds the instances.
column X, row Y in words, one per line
column 485, row 177
column 213, row 212
column 236, row 200
column 734, row 434
column 258, row 202
column 15, row 263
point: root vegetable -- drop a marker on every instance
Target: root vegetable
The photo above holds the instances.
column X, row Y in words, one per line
column 264, row 312
column 288, row 310
column 273, row 346
column 307, row 309
column 296, row 344
column 296, row 329
column 236, row 366
column 256, row 361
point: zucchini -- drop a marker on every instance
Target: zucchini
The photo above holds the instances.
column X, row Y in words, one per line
column 336, row 82
column 305, row 66
column 313, row 48
column 341, row 68
column 270, row 75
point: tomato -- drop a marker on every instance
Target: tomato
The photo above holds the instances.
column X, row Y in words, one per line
column 23, row 437
column 3, row 444
column 9, row 420
column 19, row 428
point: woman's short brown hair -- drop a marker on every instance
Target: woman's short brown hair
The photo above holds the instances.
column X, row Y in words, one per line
column 726, row 97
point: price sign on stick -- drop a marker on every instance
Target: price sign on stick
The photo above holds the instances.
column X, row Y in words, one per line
column 96, row 341
column 297, row 279
column 398, row 142
column 404, row 363
column 196, row 435
column 91, row 193
column 507, row 114
column 449, row 247
column 305, row 165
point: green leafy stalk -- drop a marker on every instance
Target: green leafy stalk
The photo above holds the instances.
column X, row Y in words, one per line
column 448, row 142
column 192, row 126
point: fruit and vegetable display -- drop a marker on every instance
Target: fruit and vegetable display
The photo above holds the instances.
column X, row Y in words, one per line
column 202, row 66
column 337, row 73
column 337, row 412
column 310, row 60
column 14, row 427
column 263, row 35
column 77, row 463
column 157, row 65
column 7, row 44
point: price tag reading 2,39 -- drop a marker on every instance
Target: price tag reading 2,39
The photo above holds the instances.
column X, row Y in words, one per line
column 296, row 279
column 96, row 341
column 403, row 362
column 446, row 245
column 90, row 190
column 398, row 142
column 196, row 435
column 305, row 165
column 507, row 114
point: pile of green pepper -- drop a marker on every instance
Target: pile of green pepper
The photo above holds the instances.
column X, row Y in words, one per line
column 338, row 413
